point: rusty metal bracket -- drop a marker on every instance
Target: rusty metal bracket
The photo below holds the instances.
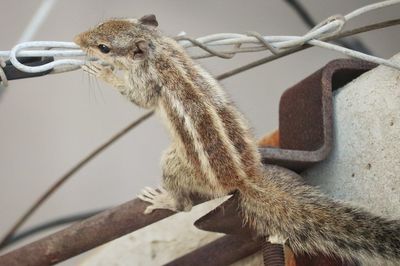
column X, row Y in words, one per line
column 305, row 116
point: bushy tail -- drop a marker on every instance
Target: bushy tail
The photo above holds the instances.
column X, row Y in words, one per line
column 280, row 204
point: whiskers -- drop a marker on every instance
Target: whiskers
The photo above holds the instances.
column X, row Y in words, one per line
column 95, row 87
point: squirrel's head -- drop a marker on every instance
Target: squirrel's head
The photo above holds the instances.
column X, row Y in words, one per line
column 120, row 42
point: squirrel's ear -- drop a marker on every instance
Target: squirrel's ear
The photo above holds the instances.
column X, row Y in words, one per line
column 149, row 20
column 141, row 50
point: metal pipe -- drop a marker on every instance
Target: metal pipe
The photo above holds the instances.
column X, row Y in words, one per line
column 85, row 235
column 223, row 251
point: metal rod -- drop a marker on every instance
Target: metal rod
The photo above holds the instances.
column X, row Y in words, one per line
column 84, row 235
column 223, row 251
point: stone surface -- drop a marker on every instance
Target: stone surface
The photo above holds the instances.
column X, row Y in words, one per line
column 364, row 166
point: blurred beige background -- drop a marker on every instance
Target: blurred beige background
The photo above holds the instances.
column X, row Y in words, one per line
column 48, row 124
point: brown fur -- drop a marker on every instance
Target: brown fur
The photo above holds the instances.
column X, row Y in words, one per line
column 214, row 153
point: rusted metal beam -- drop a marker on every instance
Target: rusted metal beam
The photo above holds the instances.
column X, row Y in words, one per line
column 305, row 116
column 84, row 235
column 225, row 219
column 223, row 251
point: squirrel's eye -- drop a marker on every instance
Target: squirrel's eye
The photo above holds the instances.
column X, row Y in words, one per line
column 103, row 48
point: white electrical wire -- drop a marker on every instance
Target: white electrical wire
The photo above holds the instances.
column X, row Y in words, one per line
column 369, row 8
column 227, row 43
column 32, row 27
column 52, row 65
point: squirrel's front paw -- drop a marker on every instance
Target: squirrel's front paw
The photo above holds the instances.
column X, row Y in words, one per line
column 98, row 70
column 159, row 199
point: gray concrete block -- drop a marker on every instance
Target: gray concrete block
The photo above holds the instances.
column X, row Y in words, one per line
column 364, row 166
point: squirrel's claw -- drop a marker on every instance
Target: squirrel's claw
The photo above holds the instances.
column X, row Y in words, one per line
column 158, row 198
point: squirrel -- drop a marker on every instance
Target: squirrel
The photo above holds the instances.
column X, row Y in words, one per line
column 213, row 152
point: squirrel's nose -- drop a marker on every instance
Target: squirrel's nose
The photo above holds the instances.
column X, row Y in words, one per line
column 82, row 39
column 78, row 40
